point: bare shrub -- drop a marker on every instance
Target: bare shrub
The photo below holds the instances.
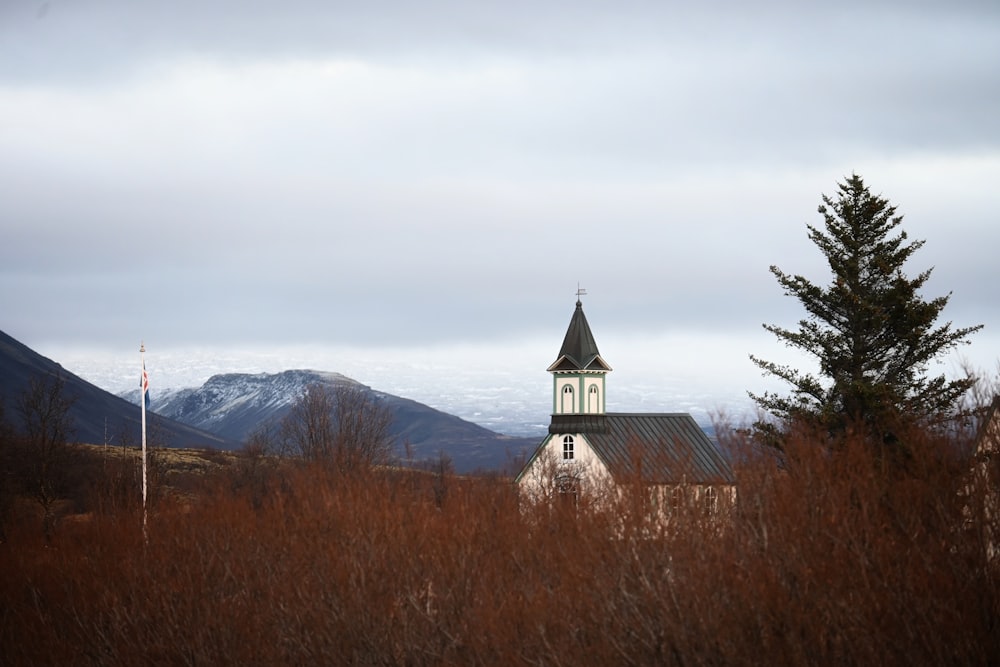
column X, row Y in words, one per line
column 43, row 455
column 118, row 487
column 344, row 426
column 830, row 557
column 257, row 465
column 8, row 480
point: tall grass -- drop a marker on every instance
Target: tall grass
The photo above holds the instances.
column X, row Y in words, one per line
column 828, row 557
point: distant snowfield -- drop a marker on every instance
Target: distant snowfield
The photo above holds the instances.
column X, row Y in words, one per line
column 501, row 386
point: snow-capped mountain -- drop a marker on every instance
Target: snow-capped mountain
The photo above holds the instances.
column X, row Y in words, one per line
column 235, row 403
column 232, row 405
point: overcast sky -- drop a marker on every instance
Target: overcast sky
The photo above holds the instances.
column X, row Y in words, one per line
column 419, row 175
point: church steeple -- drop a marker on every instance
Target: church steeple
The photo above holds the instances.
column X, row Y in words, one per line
column 578, row 372
column 579, row 349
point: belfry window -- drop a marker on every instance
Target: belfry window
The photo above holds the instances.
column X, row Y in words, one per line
column 593, row 399
column 568, row 404
column 568, row 448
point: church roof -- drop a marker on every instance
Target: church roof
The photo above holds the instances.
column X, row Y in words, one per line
column 579, row 349
column 657, row 448
column 660, row 449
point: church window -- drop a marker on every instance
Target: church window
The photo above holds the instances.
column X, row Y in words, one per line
column 568, row 448
column 711, row 501
column 568, row 405
column 676, row 499
column 569, row 491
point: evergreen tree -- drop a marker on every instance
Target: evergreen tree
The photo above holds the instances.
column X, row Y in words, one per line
column 871, row 332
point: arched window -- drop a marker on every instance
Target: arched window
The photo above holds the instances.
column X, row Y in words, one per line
column 676, row 499
column 593, row 399
column 711, row 501
column 568, row 405
column 568, row 448
column 569, row 490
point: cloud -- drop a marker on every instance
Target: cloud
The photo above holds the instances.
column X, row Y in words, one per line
column 400, row 173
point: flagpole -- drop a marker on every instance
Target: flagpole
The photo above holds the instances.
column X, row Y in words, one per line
column 143, row 388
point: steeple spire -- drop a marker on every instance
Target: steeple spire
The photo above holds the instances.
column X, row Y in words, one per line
column 579, row 349
column 578, row 373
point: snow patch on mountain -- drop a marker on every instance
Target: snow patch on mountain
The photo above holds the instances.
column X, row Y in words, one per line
column 228, row 394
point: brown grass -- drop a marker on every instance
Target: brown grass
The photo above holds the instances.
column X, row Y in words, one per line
column 829, row 558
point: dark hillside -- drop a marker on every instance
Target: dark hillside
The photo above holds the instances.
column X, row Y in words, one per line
column 96, row 414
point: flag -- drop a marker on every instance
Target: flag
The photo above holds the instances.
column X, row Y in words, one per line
column 144, row 383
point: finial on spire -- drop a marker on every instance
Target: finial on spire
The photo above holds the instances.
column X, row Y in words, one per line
column 580, row 292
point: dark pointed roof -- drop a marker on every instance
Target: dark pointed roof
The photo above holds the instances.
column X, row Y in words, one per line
column 579, row 349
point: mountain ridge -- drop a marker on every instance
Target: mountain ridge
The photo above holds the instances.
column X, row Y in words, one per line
column 233, row 405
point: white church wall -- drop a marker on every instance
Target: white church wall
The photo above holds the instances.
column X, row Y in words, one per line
column 550, row 473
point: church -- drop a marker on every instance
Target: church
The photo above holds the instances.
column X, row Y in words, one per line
column 588, row 449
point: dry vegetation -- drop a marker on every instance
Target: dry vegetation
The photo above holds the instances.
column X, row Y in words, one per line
column 830, row 558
